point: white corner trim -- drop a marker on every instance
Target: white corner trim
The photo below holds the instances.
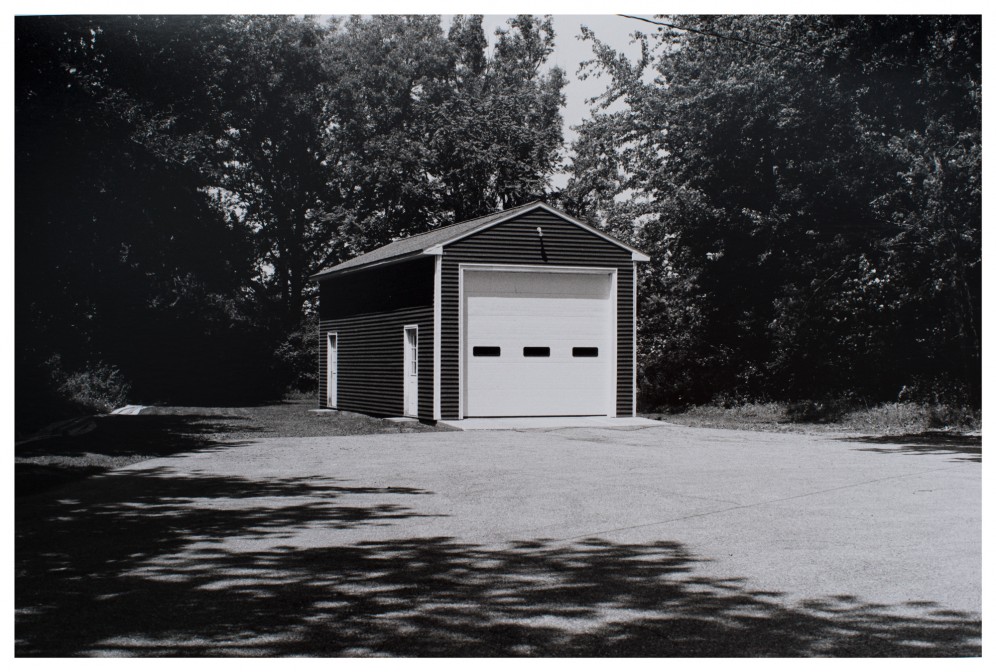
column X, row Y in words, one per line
column 640, row 256
column 634, row 339
column 437, row 337
column 614, row 362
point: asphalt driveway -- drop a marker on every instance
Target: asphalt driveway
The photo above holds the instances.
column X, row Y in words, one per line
column 645, row 541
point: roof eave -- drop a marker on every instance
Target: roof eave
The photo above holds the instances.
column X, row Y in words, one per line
column 323, row 275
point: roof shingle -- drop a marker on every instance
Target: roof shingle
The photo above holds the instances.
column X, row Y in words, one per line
column 421, row 241
column 418, row 243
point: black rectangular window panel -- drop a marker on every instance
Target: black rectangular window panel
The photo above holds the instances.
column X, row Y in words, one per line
column 487, row 351
column 535, row 352
column 585, row 352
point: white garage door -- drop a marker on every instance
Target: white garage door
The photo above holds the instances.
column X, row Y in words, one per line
column 537, row 343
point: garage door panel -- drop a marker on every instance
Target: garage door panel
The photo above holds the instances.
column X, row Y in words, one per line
column 525, row 307
column 558, row 383
column 530, row 332
column 559, row 311
column 536, row 284
column 489, row 322
column 487, row 325
column 548, row 323
column 511, row 353
column 499, row 404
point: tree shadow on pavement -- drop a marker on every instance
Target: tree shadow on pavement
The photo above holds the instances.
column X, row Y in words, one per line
column 961, row 447
column 109, row 442
column 159, row 562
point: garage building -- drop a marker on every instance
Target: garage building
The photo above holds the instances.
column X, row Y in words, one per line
column 525, row 312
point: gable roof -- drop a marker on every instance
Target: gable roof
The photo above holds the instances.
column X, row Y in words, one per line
column 432, row 242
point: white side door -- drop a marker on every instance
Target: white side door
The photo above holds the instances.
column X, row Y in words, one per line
column 332, row 371
column 411, row 371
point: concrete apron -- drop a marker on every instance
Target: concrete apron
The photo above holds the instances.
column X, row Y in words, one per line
column 600, row 421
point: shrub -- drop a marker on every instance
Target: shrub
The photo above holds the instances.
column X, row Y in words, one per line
column 950, row 415
column 907, row 417
column 296, row 358
column 98, row 387
column 817, row 411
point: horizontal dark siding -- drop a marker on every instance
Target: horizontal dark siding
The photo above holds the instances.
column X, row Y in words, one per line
column 369, row 310
column 624, row 341
column 517, row 242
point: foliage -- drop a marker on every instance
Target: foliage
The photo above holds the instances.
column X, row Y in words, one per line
column 179, row 178
column 912, row 419
column 813, row 210
column 51, row 392
column 99, row 387
column 427, row 129
column 122, row 256
column 297, row 356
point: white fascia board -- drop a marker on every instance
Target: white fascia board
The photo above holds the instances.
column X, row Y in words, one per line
column 635, row 324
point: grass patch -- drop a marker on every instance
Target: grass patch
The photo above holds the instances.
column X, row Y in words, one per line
column 818, row 417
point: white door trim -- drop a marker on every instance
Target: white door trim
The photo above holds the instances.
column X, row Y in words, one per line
column 332, row 369
column 410, row 379
column 613, row 363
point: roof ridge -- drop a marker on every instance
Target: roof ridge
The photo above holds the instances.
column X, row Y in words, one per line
column 466, row 221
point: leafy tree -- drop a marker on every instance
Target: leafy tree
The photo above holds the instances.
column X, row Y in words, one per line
column 808, row 188
column 272, row 166
column 336, row 137
column 427, row 129
column 180, row 178
column 121, row 256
